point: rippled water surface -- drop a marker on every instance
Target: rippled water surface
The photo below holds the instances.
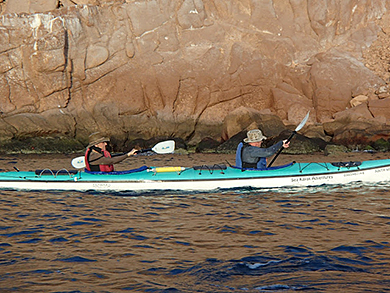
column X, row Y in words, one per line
column 328, row 239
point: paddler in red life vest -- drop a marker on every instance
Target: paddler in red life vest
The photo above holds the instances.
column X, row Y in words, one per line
column 97, row 158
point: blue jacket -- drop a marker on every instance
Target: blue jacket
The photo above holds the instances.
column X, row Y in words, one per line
column 261, row 164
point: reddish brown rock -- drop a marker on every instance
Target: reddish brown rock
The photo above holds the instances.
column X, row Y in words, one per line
column 360, row 112
column 360, row 99
column 348, row 78
column 315, row 131
column 357, row 127
column 290, row 104
column 177, row 69
column 247, row 119
column 380, row 108
column 28, row 6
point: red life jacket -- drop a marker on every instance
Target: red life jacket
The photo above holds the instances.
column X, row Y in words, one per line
column 97, row 168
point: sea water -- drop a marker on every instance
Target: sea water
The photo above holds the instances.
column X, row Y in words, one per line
column 324, row 239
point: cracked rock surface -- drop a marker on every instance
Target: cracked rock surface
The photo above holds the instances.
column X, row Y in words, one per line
column 166, row 68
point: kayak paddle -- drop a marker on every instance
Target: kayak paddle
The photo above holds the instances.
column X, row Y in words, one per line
column 164, row 147
column 78, row 163
column 299, row 127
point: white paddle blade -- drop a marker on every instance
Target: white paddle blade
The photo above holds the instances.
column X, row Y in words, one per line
column 78, row 162
column 164, row 147
column 303, row 122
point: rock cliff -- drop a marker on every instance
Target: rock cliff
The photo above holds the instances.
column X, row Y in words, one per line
column 163, row 68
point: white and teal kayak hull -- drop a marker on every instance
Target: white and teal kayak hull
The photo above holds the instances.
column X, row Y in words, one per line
column 200, row 179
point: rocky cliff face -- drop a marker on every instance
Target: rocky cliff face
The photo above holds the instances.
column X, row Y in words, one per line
column 180, row 68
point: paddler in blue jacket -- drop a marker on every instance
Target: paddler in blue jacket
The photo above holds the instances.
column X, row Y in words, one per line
column 251, row 155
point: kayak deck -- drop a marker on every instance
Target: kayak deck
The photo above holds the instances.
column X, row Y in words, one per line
column 193, row 173
column 200, row 177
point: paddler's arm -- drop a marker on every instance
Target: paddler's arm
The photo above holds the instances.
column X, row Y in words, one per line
column 99, row 159
column 265, row 152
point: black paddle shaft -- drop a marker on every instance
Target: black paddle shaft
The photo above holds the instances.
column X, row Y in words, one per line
column 137, row 152
column 143, row 151
column 281, row 149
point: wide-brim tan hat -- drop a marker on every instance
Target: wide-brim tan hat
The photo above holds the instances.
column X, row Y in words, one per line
column 96, row 138
column 254, row 135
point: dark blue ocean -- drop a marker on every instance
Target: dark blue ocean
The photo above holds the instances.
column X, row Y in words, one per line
column 326, row 239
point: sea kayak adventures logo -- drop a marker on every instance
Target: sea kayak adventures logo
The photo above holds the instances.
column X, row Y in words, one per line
column 312, row 178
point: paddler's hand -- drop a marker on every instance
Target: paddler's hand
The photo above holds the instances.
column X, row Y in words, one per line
column 132, row 152
column 286, row 143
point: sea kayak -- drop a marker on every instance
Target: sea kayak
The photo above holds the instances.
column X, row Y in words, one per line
column 199, row 178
